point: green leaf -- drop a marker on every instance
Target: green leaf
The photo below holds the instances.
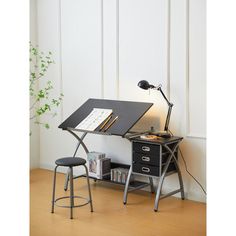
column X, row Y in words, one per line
column 33, row 75
column 39, row 112
column 41, row 94
column 47, row 107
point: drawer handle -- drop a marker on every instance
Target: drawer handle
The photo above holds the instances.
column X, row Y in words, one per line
column 146, row 149
column 145, row 169
column 145, row 158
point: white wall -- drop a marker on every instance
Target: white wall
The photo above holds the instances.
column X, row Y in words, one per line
column 34, row 138
column 102, row 48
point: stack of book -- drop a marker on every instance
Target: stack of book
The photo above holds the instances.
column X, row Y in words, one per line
column 119, row 175
column 99, row 165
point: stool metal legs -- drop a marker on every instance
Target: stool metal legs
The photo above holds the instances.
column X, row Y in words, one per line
column 71, row 193
column 90, row 197
column 54, row 188
column 72, row 205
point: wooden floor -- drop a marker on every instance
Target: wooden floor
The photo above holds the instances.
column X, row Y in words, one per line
column 110, row 216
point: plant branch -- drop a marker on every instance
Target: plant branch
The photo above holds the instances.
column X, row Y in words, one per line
column 42, row 103
column 33, row 105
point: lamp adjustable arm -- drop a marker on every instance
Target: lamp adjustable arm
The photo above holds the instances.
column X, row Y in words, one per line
column 169, row 110
column 144, row 84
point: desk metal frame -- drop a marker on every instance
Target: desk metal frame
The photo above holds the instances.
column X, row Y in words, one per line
column 172, row 157
column 80, row 141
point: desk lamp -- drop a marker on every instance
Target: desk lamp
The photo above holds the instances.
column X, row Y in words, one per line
column 143, row 84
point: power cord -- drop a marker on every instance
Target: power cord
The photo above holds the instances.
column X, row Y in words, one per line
column 186, row 168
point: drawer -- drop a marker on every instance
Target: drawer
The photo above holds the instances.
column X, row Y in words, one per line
column 150, row 170
column 146, row 169
column 147, row 158
column 146, row 148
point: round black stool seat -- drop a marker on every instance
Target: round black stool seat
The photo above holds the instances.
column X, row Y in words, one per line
column 70, row 161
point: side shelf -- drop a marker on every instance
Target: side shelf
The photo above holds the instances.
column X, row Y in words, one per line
column 156, row 158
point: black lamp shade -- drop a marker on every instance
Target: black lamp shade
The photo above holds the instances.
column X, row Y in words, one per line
column 143, row 84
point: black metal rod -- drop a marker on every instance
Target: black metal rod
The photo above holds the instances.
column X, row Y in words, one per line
column 169, row 110
column 169, row 103
column 168, row 119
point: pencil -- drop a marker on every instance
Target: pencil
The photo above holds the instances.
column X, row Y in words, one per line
column 110, row 124
column 106, row 121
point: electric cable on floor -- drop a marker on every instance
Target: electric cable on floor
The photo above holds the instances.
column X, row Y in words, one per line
column 186, row 168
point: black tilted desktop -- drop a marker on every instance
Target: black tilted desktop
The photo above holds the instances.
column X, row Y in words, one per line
column 149, row 158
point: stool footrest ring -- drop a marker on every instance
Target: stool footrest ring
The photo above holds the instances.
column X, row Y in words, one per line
column 66, row 206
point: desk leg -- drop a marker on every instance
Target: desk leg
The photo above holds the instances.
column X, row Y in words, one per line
column 66, row 180
column 178, row 171
column 159, row 187
column 180, row 179
column 127, row 186
column 151, row 185
column 80, row 141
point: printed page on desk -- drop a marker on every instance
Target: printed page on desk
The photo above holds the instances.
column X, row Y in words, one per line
column 94, row 119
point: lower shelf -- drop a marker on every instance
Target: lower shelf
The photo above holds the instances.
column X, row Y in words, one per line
column 133, row 184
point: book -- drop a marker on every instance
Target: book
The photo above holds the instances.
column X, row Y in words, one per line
column 104, row 167
column 93, row 163
column 95, row 118
column 99, row 165
column 120, row 175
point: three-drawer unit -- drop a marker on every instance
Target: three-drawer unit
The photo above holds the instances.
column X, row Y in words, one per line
column 149, row 158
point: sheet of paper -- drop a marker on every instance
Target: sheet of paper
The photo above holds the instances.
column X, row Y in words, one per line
column 94, row 119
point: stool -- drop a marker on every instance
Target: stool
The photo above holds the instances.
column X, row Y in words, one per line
column 71, row 162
